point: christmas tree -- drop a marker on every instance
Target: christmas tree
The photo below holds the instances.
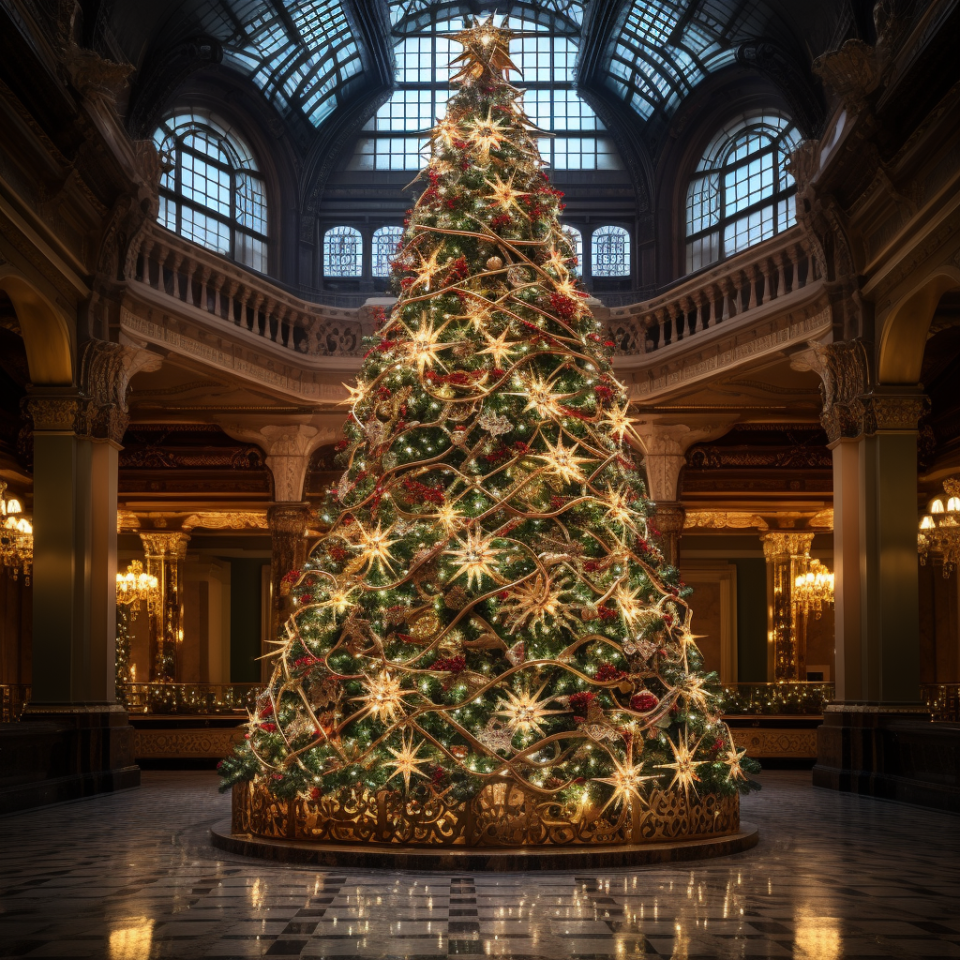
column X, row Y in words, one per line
column 488, row 608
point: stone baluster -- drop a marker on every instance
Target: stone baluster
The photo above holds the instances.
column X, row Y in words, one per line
column 243, row 298
column 258, row 301
column 661, row 316
column 782, row 275
column 217, row 286
column 676, row 320
column 146, row 248
column 231, row 287
column 796, row 254
column 753, row 275
column 190, row 272
column 175, row 261
column 204, row 278
column 766, row 268
column 727, row 291
column 712, row 293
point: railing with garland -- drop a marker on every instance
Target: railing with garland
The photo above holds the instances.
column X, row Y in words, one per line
column 943, row 699
column 190, row 699
column 785, row 698
column 13, row 698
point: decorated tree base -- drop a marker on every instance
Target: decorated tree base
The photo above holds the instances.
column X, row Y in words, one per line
column 502, row 815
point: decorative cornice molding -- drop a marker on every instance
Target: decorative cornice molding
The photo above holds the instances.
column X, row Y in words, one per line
column 228, row 520
column 719, row 520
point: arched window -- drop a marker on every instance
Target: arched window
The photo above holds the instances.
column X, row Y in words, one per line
column 611, row 252
column 385, row 242
column 213, row 194
column 342, row 252
column 741, row 193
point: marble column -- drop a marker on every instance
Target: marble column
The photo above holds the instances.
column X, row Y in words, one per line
column 787, row 554
column 872, row 431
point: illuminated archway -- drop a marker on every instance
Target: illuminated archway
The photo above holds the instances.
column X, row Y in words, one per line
column 904, row 336
column 46, row 335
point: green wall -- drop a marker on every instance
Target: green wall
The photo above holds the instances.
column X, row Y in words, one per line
column 245, row 613
column 752, row 619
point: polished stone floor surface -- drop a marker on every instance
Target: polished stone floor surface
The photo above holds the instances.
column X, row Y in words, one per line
column 131, row 876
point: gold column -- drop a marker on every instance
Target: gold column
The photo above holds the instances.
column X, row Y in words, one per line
column 787, row 556
column 166, row 551
column 669, row 521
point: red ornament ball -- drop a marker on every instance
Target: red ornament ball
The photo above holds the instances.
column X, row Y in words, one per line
column 643, row 702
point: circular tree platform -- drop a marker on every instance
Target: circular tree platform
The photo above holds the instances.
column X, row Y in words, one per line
column 476, row 859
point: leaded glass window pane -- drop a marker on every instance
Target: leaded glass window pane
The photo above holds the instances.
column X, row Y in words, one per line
column 385, row 242
column 342, row 252
column 611, row 252
column 741, row 186
column 213, row 193
column 547, row 60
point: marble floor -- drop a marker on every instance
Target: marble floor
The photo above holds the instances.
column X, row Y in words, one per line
column 131, row 876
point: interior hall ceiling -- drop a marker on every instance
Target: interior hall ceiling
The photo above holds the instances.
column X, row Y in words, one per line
column 311, row 57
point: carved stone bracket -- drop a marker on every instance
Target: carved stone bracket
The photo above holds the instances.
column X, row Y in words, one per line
column 845, row 377
column 665, row 446
column 852, row 72
column 288, row 448
column 106, row 369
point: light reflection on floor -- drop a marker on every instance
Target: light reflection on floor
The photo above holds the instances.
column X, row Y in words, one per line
column 130, row 877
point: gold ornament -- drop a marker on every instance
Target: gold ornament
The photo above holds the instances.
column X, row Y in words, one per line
column 456, row 598
column 426, row 627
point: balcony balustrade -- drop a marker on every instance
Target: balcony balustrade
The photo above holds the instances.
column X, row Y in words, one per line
column 198, row 303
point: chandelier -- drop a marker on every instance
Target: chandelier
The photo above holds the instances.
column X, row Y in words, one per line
column 135, row 586
column 813, row 589
column 16, row 537
column 940, row 528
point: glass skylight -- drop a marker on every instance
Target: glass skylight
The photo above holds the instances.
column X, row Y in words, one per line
column 546, row 59
column 667, row 47
column 299, row 52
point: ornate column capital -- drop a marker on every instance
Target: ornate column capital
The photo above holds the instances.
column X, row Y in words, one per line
column 53, row 412
column 779, row 545
column 164, row 544
column 893, row 411
column 665, row 447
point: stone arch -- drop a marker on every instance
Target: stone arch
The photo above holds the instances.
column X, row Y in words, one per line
column 46, row 336
column 904, row 335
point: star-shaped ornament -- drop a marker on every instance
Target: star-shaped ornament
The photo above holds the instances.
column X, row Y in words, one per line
column 407, row 760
